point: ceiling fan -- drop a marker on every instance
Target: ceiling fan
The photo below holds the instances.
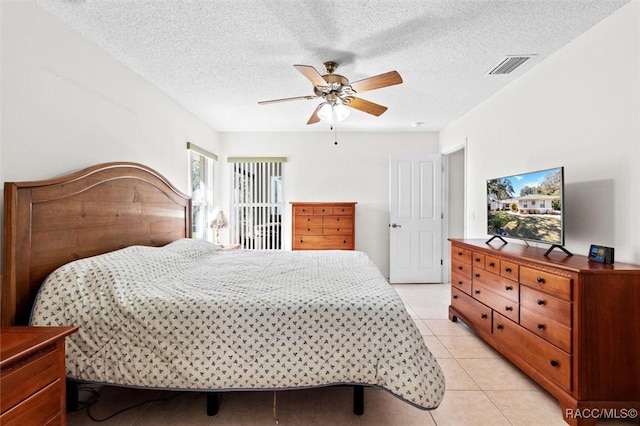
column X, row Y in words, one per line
column 338, row 93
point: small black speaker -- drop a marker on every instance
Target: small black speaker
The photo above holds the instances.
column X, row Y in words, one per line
column 601, row 254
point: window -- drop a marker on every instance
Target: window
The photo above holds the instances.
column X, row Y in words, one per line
column 257, row 202
column 201, row 167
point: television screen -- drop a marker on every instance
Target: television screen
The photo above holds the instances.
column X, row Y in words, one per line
column 527, row 206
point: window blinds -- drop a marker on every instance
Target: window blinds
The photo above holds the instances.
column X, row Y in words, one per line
column 257, row 202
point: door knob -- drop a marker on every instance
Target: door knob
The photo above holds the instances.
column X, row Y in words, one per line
column 394, row 225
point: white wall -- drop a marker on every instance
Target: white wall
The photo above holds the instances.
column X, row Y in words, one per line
column 356, row 169
column 580, row 109
column 66, row 105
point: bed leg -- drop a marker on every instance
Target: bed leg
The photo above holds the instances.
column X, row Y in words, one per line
column 212, row 403
column 72, row 396
column 358, row 400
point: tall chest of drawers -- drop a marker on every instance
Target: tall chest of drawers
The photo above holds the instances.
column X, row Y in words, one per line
column 572, row 325
column 323, row 226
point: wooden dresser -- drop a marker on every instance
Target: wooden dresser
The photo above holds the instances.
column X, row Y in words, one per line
column 572, row 325
column 32, row 370
column 323, row 226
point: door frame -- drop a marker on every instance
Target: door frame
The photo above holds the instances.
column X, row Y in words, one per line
column 447, row 182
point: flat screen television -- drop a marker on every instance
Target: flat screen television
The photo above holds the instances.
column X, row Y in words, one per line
column 528, row 206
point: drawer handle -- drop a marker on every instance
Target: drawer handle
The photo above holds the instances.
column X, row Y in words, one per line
column 491, row 264
column 540, row 280
column 459, row 282
column 541, row 302
column 554, row 363
column 477, row 275
column 308, row 229
column 507, row 269
column 483, row 316
column 455, row 296
column 477, row 292
column 541, row 326
column 508, row 308
column 499, row 326
column 338, row 220
column 508, row 287
column 338, row 229
column 301, row 241
column 459, row 253
column 460, row 267
column 344, row 241
column 477, row 259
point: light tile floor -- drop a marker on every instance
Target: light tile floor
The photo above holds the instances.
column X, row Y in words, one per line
column 482, row 388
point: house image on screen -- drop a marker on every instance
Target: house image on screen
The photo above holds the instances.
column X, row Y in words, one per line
column 536, row 203
column 531, row 204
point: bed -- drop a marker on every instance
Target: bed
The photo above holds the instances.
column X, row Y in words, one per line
column 156, row 309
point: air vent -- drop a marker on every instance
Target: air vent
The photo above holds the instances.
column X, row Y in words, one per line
column 510, row 63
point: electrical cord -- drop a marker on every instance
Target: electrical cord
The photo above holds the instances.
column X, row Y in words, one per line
column 95, row 397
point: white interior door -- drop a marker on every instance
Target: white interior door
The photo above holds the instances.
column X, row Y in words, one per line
column 415, row 214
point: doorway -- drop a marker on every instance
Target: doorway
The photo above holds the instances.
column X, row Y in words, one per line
column 454, row 202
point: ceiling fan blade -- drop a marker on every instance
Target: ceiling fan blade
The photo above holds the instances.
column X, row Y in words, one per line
column 314, row 117
column 390, row 78
column 275, row 101
column 312, row 74
column 365, row 106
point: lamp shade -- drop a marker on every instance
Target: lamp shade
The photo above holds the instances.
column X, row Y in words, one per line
column 220, row 221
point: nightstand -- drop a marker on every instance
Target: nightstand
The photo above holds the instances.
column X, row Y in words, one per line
column 32, row 375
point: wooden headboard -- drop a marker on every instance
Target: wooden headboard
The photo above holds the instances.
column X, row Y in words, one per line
column 96, row 210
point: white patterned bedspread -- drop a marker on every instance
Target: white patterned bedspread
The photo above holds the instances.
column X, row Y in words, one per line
column 190, row 316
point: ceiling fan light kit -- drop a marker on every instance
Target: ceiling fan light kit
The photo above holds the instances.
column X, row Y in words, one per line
column 338, row 94
column 333, row 113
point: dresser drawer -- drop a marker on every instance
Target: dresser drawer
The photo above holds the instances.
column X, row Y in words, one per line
column 19, row 381
column 478, row 260
column 315, row 242
column 551, row 331
column 509, row 270
column 500, row 285
column 547, row 282
column 550, row 361
column 309, row 230
column 455, row 294
column 337, row 230
column 42, row 408
column 303, row 221
column 492, row 264
column 348, row 211
column 322, row 210
column 338, row 222
column 461, row 255
column 302, row 210
column 461, row 282
column 506, row 307
column 460, row 268
column 546, row 305
column 477, row 313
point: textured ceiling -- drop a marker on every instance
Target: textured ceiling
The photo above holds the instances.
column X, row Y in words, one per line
column 218, row 58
